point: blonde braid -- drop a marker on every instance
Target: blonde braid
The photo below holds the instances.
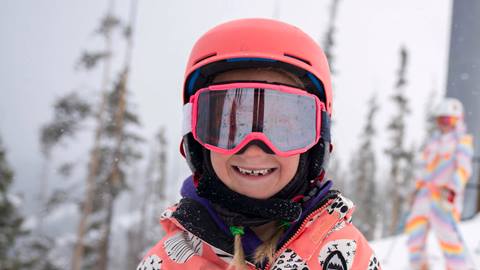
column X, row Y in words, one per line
column 238, row 262
column 268, row 249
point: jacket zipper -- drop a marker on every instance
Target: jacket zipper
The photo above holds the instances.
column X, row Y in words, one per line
column 296, row 234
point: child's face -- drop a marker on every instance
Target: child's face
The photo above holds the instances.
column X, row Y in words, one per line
column 254, row 173
column 446, row 123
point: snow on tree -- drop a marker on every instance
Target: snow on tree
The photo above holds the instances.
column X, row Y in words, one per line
column 19, row 247
column 363, row 179
column 10, row 219
column 401, row 158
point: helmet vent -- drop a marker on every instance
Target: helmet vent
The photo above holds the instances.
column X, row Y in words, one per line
column 204, row 57
column 298, row 58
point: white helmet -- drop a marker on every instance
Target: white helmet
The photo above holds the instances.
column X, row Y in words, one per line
column 449, row 107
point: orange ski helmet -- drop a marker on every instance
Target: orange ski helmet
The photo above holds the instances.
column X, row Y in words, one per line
column 259, row 42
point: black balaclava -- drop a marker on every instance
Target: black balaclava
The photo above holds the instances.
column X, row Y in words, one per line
column 240, row 210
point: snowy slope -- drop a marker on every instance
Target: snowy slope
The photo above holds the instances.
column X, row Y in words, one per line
column 392, row 251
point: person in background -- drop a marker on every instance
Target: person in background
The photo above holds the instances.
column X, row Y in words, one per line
column 438, row 197
column 257, row 104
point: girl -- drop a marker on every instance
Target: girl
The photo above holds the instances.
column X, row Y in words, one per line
column 438, row 198
column 257, row 108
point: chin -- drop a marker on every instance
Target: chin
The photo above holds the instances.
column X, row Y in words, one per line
column 255, row 195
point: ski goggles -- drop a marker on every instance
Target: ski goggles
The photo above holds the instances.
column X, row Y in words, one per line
column 224, row 118
column 447, row 121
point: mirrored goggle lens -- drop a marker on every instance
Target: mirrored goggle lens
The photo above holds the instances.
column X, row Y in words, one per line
column 226, row 117
column 447, row 120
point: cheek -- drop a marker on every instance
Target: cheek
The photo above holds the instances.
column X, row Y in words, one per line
column 289, row 166
column 219, row 164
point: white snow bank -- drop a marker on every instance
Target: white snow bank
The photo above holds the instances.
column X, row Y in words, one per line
column 393, row 254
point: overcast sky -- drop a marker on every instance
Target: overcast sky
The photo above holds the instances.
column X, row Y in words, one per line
column 42, row 40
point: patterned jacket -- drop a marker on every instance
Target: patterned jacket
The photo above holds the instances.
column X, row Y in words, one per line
column 446, row 163
column 324, row 239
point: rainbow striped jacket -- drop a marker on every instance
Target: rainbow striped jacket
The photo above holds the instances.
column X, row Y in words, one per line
column 447, row 163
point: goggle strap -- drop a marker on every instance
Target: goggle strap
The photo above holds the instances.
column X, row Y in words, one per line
column 325, row 128
column 187, row 119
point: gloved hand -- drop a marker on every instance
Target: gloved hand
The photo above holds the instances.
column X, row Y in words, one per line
column 447, row 195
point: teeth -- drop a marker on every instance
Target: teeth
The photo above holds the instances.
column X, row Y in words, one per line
column 254, row 172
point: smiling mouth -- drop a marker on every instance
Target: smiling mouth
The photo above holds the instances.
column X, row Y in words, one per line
column 254, row 172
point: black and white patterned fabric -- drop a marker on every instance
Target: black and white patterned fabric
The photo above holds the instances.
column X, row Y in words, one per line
column 338, row 254
column 224, row 256
column 150, row 263
column 340, row 205
column 182, row 246
column 373, row 264
column 166, row 214
column 289, row 260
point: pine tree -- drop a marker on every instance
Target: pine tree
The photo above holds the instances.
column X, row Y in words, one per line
column 19, row 247
column 329, row 40
column 89, row 61
column 429, row 118
column 335, row 171
column 114, row 151
column 364, row 167
column 117, row 157
column 336, row 174
column 10, row 219
column 400, row 157
column 70, row 113
column 143, row 234
column 35, row 252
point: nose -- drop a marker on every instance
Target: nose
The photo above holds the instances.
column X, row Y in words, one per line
column 251, row 151
column 257, row 146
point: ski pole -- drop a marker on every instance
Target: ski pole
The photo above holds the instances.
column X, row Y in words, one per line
column 399, row 229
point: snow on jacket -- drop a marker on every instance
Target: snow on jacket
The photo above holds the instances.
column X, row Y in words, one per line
column 324, row 238
column 446, row 163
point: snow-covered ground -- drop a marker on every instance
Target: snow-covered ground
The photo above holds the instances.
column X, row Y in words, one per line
column 392, row 251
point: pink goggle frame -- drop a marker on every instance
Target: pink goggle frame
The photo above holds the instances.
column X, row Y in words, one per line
column 191, row 117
